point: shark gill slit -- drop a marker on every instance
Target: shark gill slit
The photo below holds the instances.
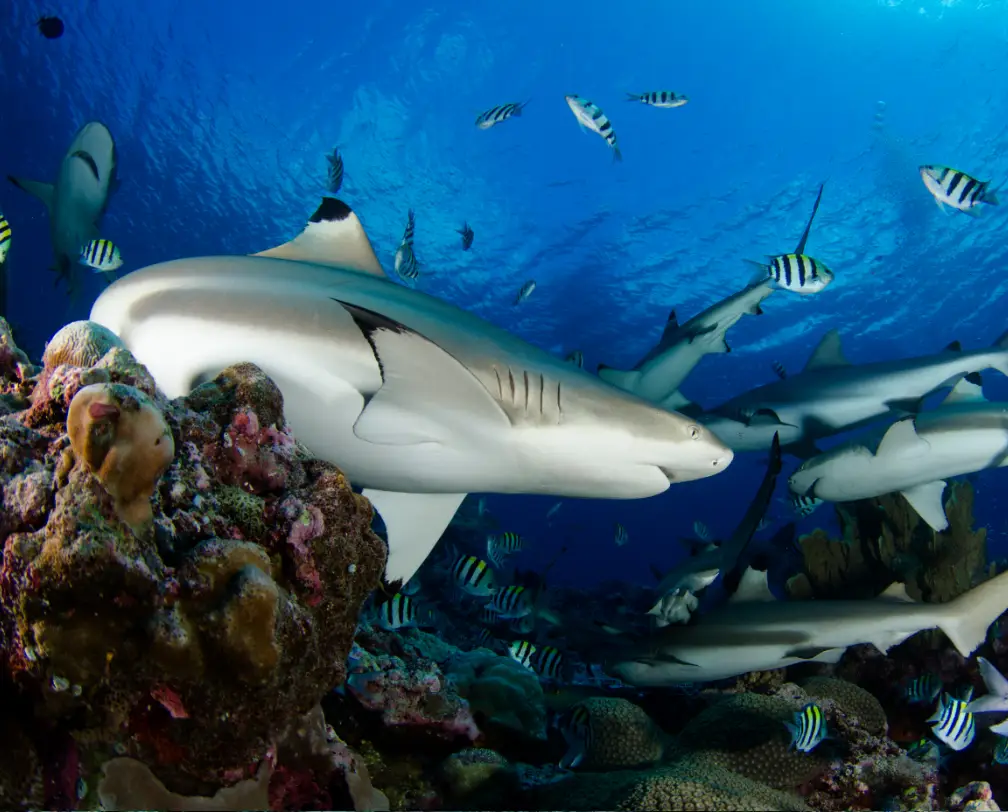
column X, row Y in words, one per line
column 511, row 382
column 500, row 385
column 542, row 392
column 525, row 376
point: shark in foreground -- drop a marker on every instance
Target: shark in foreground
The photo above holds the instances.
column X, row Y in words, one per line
column 831, row 395
column 416, row 400
column 78, row 198
column 915, row 456
column 755, row 632
column 659, row 374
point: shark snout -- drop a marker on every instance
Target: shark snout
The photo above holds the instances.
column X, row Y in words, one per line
column 700, row 456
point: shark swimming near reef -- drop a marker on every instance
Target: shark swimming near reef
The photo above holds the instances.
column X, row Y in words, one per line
column 78, row 198
column 659, row 374
column 416, row 400
column 756, row 632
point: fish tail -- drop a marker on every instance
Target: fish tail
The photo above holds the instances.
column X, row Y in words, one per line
column 966, row 619
column 617, row 156
column 633, row 96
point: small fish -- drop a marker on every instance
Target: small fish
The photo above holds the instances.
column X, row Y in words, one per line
column 50, row 27
column 808, row 728
column 621, row 535
column 956, row 189
column 923, row 689
column 485, row 639
column 5, row 238
column 335, row 171
column 495, row 115
column 763, row 525
column 590, row 116
column 779, row 370
column 701, row 530
column 577, row 732
column 553, row 510
column 80, row 788
column 488, row 616
column 101, row 255
column 805, row 505
column 797, row 273
column 501, row 546
column 1001, row 751
column 467, row 236
column 512, row 602
column 953, row 724
column 411, row 587
column 474, row 576
column 549, row 662
column 525, row 291
column 398, row 612
column 659, row 98
column 575, row 357
column 522, row 625
column 521, row 652
column 406, row 265
column 923, row 750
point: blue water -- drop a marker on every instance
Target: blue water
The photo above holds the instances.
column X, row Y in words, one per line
column 223, row 114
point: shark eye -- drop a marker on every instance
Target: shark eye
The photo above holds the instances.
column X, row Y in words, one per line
column 693, row 432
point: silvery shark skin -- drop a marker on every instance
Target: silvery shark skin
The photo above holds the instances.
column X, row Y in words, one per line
column 756, row 632
column 831, row 395
column 915, row 456
column 77, row 200
column 659, row 374
column 416, row 400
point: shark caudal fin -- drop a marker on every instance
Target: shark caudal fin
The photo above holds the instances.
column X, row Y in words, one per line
column 966, row 619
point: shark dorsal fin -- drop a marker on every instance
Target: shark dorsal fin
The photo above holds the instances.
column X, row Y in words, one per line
column 670, row 326
column 752, row 588
column 896, row 591
column 902, row 438
column 828, row 353
column 333, row 236
column 964, row 392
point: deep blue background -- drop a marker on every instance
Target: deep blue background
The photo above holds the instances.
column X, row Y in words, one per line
column 223, row 113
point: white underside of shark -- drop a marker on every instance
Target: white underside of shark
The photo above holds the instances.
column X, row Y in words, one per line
column 915, row 456
column 417, row 401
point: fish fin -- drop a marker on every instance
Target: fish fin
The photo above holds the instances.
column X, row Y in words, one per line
column 926, row 499
column 941, row 207
column 333, row 236
column 633, row 96
column 617, row 156
column 990, row 195
column 807, row 652
column 670, row 326
column 431, row 378
column 997, row 685
column 901, row 438
column 965, row 619
column 752, row 588
column 88, row 159
column 43, row 191
column 755, row 310
column 896, row 591
column 766, row 417
column 906, row 406
column 413, row 523
column 953, row 346
column 759, row 269
column 626, row 379
column 803, row 449
column 675, row 401
column 808, row 227
column 965, row 392
column 573, row 757
column 828, row 353
column 974, row 212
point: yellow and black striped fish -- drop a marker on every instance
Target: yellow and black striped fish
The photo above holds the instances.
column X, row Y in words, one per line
column 956, row 189
column 101, row 255
column 591, row 117
column 5, row 238
column 798, row 273
column 512, row 602
column 621, row 535
column 521, row 652
column 406, row 266
column 576, row 728
column 953, row 724
column 473, row 576
column 659, row 98
column 808, row 728
column 398, row 612
column 549, row 662
column 500, row 546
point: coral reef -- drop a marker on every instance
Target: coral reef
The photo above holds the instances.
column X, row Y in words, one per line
column 623, row 735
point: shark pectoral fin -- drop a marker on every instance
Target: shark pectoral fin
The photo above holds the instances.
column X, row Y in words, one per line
column 828, row 353
column 927, row 501
column 901, row 439
column 766, row 417
column 413, row 524
column 965, row 392
column 753, row 587
column 88, row 159
column 755, row 310
column 424, row 392
column 626, row 379
column 43, row 191
column 334, row 237
column 896, row 591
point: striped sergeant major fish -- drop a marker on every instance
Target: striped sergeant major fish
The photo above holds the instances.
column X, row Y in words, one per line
column 808, row 728
column 488, row 615
column 5, row 238
column 797, row 273
column 101, row 255
column 502, row 112
column 398, row 612
column 805, row 505
column 576, row 728
column 335, row 161
column 512, row 602
column 621, row 535
column 575, row 357
column 499, row 547
column 523, row 625
column 956, row 189
column 659, row 98
column 521, row 652
column 406, row 265
column 590, row 116
column 923, row 689
column 953, row 723
column 473, row 576
column 549, row 663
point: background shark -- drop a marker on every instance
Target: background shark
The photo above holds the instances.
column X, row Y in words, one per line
column 832, row 395
column 755, row 632
column 77, row 200
column 659, row 374
column 915, row 456
column 417, row 401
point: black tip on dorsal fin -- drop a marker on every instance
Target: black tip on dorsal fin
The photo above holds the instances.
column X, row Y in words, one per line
column 368, row 320
column 974, row 378
column 600, row 367
column 954, row 346
column 672, row 317
column 330, row 209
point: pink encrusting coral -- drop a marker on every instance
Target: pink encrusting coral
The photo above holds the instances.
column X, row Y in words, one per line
column 253, row 456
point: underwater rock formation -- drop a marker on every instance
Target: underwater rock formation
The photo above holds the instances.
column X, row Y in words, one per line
column 186, row 641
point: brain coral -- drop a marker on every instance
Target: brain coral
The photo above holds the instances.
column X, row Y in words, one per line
column 623, row 735
column 851, row 699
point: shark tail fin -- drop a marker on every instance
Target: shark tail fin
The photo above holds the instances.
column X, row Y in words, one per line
column 627, row 379
column 43, row 191
column 966, row 619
